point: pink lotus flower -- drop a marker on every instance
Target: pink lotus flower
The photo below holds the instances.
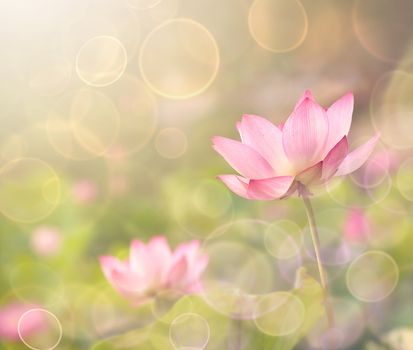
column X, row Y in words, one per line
column 10, row 315
column 152, row 268
column 308, row 149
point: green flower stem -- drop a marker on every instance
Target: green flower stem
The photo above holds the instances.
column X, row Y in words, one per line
column 323, row 277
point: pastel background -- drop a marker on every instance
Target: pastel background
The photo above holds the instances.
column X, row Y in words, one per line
column 107, row 110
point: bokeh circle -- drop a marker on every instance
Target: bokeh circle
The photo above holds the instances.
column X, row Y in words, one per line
column 83, row 124
column 279, row 314
column 179, row 59
column 372, row 276
column 29, row 189
column 101, row 61
column 278, row 26
column 283, row 239
column 189, row 331
column 378, row 25
column 38, row 344
column 171, row 143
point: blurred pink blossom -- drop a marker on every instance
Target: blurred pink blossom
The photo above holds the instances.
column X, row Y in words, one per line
column 46, row 241
column 308, row 149
column 10, row 315
column 85, row 191
column 116, row 153
column 153, row 267
column 356, row 226
column 119, row 185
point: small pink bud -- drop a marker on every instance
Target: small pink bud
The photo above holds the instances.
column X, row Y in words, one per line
column 356, row 227
column 46, row 241
column 85, row 191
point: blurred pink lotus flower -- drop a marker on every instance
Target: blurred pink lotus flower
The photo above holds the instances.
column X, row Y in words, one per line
column 46, row 241
column 10, row 315
column 308, row 149
column 356, row 226
column 85, row 191
column 153, row 268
